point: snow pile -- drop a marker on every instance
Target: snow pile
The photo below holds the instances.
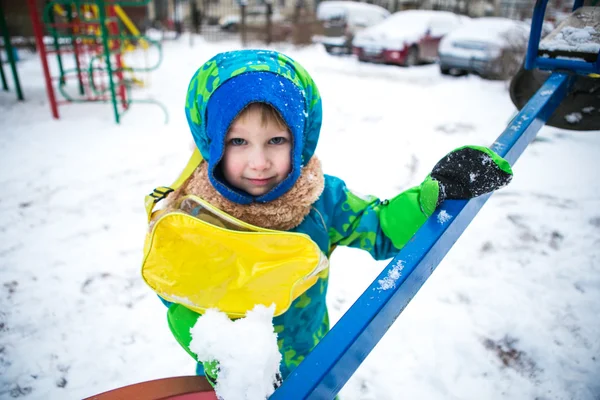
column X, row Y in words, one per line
column 520, row 287
column 389, row 282
column 573, row 117
column 246, row 350
column 443, row 217
column 573, row 39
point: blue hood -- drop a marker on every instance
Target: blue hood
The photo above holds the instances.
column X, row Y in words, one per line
column 226, row 84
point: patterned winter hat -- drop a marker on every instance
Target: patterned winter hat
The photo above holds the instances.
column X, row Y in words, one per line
column 228, row 83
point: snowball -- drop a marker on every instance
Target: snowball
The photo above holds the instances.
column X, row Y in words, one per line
column 246, row 350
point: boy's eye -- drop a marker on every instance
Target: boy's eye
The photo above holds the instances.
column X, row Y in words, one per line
column 237, row 142
column 278, row 140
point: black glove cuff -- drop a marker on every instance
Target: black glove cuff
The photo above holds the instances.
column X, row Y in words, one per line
column 442, row 193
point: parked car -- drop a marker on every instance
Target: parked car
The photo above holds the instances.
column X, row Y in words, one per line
column 406, row 38
column 256, row 17
column 343, row 19
column 492, row 47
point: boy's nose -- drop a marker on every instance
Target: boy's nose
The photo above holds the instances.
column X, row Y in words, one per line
column 259, row 160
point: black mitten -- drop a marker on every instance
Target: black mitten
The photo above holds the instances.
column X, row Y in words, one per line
column 470, row 171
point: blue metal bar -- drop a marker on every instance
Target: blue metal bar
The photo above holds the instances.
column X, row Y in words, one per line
column 333, row 361
column 537, row 20
column 581, row 67
column 577, row 4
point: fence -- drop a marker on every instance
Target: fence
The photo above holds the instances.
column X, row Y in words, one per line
column 256, row 22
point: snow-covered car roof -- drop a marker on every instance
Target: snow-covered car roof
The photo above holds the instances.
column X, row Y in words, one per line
column 493, row 30
column 329, row 9
column 410, row 20
column 408, row 26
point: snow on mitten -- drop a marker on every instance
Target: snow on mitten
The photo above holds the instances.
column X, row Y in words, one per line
column 470, row 171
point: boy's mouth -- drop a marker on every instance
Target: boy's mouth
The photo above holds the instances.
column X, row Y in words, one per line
column 259, row 182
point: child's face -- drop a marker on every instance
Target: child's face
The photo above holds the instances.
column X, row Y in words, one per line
column 257, row 154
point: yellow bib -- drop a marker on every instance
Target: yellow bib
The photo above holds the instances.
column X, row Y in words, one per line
column 202, row 257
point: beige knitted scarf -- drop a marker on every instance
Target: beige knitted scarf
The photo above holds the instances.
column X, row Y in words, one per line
column 283, row 213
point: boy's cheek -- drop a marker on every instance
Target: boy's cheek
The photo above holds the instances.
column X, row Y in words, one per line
column 233, row 159
column 231, row 168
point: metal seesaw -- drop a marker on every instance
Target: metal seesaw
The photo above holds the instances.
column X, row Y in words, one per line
column 328, row 367
column 333, row 361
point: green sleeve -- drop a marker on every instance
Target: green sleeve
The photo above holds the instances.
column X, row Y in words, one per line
column 181, row 320
column 379, row 227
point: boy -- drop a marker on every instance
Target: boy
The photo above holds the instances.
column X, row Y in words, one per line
column 255, row 117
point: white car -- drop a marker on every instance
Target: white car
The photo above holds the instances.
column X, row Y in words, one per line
column 406, row 37
column 492, row 47
column 343, row 19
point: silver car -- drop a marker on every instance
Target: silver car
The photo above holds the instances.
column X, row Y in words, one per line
column 492, row 47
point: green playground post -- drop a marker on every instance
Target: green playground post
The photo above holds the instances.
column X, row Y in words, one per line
column 104, row 29
column 4, row 84
column 52, row 20
column 10, row 55
column 69, row 10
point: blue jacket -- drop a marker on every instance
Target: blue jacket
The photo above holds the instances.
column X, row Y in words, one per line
column 337, row 218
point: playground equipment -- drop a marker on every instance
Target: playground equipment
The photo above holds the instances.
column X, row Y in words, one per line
column 178, row 388
column 333, row 361
column 573, row 47
column 98, row 34
column 10, row 55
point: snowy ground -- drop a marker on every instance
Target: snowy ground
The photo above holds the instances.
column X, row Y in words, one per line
column 511, row 313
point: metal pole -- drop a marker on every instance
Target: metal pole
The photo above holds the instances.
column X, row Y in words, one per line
column 10, row 54
column 72, row 31
column 243, row 22
column 57, row 46
column 535, row 33
column 269, row 22
column 4, row 84
column 39, row 41
column 115, row 30
column 103, row 27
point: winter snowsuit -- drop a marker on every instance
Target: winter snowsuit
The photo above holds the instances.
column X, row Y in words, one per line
column 336, row 217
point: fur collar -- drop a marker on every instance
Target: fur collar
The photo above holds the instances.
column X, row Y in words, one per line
column 283, row 213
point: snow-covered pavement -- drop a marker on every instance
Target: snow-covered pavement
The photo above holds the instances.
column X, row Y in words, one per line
column 511, row 313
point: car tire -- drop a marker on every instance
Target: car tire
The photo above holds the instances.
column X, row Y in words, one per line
column 452, row 71
column 329, row 49
column 412, row 57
